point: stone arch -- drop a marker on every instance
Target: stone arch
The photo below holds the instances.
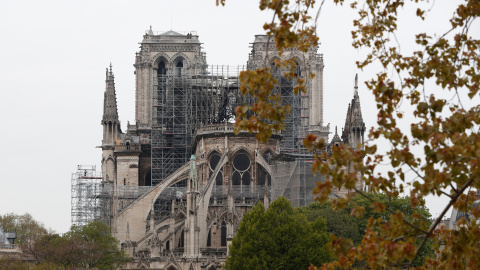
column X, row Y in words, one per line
column 171, row 266
column 182, row 174
column 159, row 57
column 178, row 180
column 222, row 216
column 175, row 58
column 296, row 56
column 272, row 56
column 147, row 177
column 239, row 149
column 110, row 169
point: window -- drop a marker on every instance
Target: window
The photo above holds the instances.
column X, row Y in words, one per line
column 241, row 170
column 161, row 71
column 297, row 70
column 214, row 159
column 212, row 164
column 263, row 177
column 178, row 68
column 181, row 241
column 241, row 162
column 219, row 179
column 224, row 234
column 209, row 238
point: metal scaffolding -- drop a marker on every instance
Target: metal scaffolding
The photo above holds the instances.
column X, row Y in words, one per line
column 182, row 103
column 294, row 180
column 90, row 196
column 94, row 199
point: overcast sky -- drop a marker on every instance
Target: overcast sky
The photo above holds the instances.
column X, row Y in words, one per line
column 53, row 56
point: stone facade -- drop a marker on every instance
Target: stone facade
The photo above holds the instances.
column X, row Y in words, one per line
column 187, row 219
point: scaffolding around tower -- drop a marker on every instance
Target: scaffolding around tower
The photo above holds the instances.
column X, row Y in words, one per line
column 91, row 197
column 183, row 102
column 95, row 199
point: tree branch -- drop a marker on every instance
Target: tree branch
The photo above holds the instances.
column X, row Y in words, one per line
column 434, row 226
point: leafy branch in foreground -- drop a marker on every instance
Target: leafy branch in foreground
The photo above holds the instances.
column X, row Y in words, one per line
column 435, row 88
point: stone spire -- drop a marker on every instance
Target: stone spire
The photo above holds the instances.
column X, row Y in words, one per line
column 356, row 85
column 110, row 122
column 354, row 130
column 110, row 112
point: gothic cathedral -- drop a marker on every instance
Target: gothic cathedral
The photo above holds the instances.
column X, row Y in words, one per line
column 176, row 183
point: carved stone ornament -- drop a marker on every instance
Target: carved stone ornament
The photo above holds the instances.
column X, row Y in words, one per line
column 154, row 241
column 172, row 261
column 213, row 261
column 129, row 244
column 143, row 257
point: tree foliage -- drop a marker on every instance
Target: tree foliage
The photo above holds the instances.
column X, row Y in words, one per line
column 437, row 155
column 343, row 225
column 13, row 263
column 277, row 238
column 89, row 246
column 26, row 227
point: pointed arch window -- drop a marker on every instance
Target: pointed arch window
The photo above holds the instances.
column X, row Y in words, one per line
column 179, row 68
column 298, row 70
column 224, row 234
column 219, row 179
column 274, row 68
column 162, row 70
column 209, row 238
column 241, row 176
column 181, row 241
column 263, row 177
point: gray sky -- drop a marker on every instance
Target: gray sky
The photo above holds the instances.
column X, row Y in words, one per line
column 53, row 56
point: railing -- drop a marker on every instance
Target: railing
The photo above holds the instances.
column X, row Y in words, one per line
column 320, row 128
column 210, row 251
column 207, row 129
column 144, row 141
column 158, row 33
column 129, row 147
column 218, row 128
column 9, row 247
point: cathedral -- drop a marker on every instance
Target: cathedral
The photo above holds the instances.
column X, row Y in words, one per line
column 176, row 183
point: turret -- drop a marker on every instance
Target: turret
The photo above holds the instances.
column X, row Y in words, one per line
column 336, row 139
column 110, row 122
